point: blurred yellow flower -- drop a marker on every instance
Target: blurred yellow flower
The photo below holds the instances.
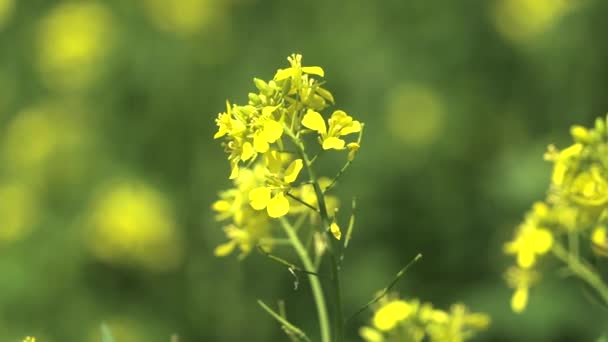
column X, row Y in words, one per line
column 186, row 17
column 529, row 242
column 29, row 339
column 6, row 11
column 47, row 139
column 521, row 20
column 520, row 279
column 73, row 40
column 249, row 226
column 421, row 108
column 132, row 224
column 390, row 314
column 18, row 209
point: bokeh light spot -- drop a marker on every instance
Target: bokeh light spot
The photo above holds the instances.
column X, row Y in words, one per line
column 132, row 224
column 414, row 115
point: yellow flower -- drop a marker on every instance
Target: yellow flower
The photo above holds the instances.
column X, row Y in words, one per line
column 387, row 317
column 528, row 243
column 132, row 223
column 74, row 38
column 590, row 187
column 599, row 240
column 29, row 339
column 227, row 124
column 272, row 196
column 340, row 124
column 248, row 226
column 521, row 280
column 269, row 132
column 296, row 69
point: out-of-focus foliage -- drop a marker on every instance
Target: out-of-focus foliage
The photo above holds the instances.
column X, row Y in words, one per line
column 109, row 168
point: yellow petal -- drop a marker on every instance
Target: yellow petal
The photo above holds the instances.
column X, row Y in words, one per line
column 247, row 151
column 599, row 236
column 335, row 231
column 525, row 258
column 224, row 249
column 559, row 171
column 543, row 240
column 260, row 143
column 371, row 334
column 283, row 74
column 333, row 143
column 389, row 315
column 313, row 120
column 272, row 131
column 293, row 171
column 354, row 127
column 273, row 161
column 259, row 197
column 519, row 301
column 220, row 133
column 234, row 173
column 315, row 70
column 221, row 206
column 278, row 206
column 266, row 111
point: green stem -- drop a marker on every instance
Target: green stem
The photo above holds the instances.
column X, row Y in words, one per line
column 582, row 271
column 315, row 283
column 332, row 246
column 288, row 326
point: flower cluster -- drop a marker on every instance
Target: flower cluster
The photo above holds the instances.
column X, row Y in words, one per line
column 400, row 320
column 575, row 206
column 264, row 141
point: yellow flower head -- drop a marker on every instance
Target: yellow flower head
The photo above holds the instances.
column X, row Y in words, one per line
column 340, row 124
column 29, row 339
column 272, row 195
column 529, row 242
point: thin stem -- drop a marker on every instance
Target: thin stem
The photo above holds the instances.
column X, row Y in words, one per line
column 288, row 326
column 345, row 166
column 315, row 283
column 303, row 202
column 385, row 290
column 332, row 245
column 573, row 245
column 584, row 272
column 290, row 266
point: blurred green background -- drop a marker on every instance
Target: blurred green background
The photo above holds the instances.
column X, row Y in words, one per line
column 109, row 168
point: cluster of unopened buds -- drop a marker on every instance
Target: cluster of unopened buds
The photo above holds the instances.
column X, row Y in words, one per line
column 571, row 222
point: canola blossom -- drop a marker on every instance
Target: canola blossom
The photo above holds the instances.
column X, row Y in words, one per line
column 396, row 320
column 575, row 210
column 260, row 138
